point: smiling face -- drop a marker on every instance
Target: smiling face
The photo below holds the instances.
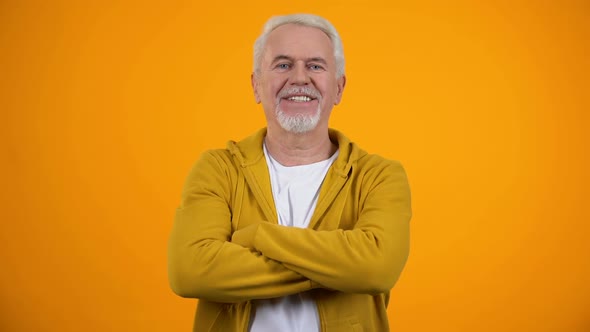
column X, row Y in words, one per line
column 297, row 82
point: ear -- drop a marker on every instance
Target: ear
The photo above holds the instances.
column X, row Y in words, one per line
column 254, row 83
column 341, row 84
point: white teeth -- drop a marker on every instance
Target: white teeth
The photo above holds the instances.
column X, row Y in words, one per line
column 299, row 98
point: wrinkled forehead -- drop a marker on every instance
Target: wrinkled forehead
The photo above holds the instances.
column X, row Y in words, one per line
column 296, row 40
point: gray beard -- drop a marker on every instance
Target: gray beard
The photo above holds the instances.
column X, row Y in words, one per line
column 299, row 123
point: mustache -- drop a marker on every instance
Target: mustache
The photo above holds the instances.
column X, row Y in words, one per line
column 302, row 90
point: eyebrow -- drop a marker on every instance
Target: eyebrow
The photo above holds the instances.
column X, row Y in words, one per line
column 286, row 57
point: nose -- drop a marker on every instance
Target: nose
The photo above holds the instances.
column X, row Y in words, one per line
column 299, row 74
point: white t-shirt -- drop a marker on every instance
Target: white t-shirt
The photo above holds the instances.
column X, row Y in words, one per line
column 295, row 190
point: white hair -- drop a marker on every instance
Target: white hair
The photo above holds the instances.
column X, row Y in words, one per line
column 308, row 20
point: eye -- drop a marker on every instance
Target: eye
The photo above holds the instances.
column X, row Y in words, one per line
column 283, row 66
column 316, row 67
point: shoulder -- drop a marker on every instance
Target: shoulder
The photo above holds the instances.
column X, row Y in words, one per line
column 374, row 163
column 374, row 171
column 229, row 160
column 213, row 160
column 212, row 166
column 383, row 179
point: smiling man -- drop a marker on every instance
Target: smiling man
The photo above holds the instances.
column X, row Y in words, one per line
column 294, row 228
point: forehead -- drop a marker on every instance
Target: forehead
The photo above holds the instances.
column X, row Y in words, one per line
column 298, row 41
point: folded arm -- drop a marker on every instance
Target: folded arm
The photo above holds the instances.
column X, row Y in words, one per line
column 367, row 259
column 202, row 263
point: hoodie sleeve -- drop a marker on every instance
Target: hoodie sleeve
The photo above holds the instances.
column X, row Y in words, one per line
column 202, row 263
column 366, row 259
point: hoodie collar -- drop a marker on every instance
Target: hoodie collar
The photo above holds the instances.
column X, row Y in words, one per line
column 249, row 151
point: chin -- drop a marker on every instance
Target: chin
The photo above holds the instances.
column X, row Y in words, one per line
column 299, row 123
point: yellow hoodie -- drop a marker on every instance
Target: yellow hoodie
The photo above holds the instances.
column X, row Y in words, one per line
column 350, row 256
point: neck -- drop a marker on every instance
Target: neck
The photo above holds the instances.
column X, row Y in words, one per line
column 291, row 149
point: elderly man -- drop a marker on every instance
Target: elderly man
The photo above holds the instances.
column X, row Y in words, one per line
column 294, row 228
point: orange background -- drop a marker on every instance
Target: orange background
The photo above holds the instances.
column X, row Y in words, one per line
column 106, row 105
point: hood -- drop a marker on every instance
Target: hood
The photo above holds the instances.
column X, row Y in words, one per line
column 249, row 150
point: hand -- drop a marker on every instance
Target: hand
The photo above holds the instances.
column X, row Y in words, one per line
column 245, row 236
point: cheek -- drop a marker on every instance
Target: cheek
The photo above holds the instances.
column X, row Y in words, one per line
column 269, row 96
column 270, row 90
column 330, row 92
